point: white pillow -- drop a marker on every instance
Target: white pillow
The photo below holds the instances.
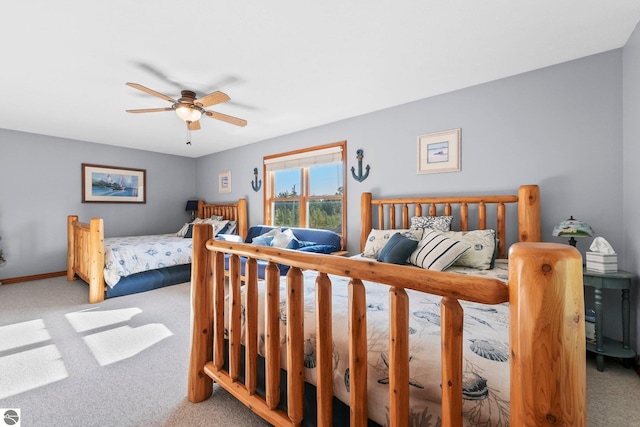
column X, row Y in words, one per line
column 282, row 238
column 482, row 247
column 183, row 231
column 437, row 252
column 378, row 239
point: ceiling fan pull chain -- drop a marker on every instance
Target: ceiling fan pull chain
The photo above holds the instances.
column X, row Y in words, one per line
column 188, row 136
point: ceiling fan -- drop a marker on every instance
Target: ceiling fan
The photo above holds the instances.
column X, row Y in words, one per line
column 189, row 108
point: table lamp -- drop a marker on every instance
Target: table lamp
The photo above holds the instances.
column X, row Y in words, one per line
column 573, row 228
column 192, row 205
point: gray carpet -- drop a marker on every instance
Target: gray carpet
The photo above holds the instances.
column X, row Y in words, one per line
column 80, row 378
column 64, row 362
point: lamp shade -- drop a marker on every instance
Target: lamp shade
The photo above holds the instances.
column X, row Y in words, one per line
column 573, row 228
column 192, row 205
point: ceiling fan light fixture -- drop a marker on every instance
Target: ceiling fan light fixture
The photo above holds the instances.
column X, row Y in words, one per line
column 189, row 114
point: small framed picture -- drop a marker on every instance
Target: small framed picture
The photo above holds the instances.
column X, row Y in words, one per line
column 111, row 184
column 224, row 182
column 439, row 152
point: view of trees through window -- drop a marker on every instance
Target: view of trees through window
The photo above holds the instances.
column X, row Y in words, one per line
column 309, row 196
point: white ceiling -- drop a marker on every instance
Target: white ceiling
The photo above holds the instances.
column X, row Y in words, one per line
column 287, row 65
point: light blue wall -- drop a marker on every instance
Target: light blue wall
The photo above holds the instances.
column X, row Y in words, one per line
column 631, row 172
column 559, row 127
column 40, row 184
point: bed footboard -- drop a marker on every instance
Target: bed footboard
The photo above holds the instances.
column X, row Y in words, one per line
column 547, row 331
column 85, row 254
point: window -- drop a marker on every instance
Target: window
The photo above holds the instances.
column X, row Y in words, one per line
column 305, row 188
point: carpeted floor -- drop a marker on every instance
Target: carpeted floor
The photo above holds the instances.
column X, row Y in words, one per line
column 64, row 362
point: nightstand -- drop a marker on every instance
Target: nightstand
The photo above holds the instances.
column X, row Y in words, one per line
column 606, row 346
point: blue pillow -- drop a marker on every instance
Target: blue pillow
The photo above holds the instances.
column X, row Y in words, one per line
column 397, row 250
column 319, row 249
column 293, row 244
column 262, row 240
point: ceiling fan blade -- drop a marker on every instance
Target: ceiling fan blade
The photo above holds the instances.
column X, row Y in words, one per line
column 193, row 125
column 151, row 92
column 150, row 110
column 229, row 119
column 213, row 98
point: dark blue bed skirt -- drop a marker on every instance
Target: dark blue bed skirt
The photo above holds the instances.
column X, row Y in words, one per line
column 152, row 279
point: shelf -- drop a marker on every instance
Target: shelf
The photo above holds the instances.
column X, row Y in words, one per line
column 612, row 348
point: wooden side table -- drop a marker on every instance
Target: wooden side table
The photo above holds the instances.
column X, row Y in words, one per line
column 606, row 346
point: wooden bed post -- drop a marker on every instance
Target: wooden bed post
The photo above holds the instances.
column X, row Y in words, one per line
column 200, row 386
column 529, row 214
column 243, row 226
column 96, row 268
column 71, row 220
column 547, row 335
column 365, row 218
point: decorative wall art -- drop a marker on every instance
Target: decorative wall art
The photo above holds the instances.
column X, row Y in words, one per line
column 360, row 177
column 224, row 182
column 110, row 184
column 256, row 184
column 439, row 152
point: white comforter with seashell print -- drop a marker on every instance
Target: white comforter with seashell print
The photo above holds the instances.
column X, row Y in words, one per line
column 485, row 357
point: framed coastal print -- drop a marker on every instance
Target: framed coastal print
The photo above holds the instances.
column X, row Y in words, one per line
column 111, row 184
column 224, row 182
column 439, row 152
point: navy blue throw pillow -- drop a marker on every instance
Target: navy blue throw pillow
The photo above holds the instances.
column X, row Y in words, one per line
column 397, row 250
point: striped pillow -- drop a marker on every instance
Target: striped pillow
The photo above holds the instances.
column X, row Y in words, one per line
column 437, row 252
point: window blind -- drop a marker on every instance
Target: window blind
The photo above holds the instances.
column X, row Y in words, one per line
column 308, row 158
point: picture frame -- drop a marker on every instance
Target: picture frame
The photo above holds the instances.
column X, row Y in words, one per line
column 439, row 152
column 224, row 182
column 113, row 184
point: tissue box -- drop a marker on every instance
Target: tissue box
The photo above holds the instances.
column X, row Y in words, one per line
column 590, row 332
column 602, row 263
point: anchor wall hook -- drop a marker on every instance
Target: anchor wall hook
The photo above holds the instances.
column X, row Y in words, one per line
column 256, row 183
column 359, row 177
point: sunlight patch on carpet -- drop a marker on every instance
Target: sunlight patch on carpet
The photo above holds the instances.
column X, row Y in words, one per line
column 124, row 342
column 27, row 370
column 22, row 334
column 87, row 320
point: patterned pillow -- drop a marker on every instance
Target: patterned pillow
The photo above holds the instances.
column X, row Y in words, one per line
column 482, row 251
column 442, row 223
column 437, row 252
column 378, row 239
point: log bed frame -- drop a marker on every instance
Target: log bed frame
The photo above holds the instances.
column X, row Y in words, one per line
column 85, row 243
column 545, row 295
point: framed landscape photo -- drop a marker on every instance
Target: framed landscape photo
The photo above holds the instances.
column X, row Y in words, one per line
column 439, row 152
column 224, row 182
column 110, row 184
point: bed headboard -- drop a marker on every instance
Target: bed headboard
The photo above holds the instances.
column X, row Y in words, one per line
column 231, row 211
column 396, row 213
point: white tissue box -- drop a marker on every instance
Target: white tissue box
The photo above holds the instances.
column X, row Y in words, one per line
column 602, row 263
column 590, row 331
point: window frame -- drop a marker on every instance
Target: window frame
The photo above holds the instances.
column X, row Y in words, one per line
column 304, row 197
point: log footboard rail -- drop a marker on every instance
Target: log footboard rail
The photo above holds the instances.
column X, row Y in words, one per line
column 547, row 336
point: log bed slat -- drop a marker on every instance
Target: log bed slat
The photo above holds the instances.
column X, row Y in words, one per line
column 324, row 355
column 357, row 353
